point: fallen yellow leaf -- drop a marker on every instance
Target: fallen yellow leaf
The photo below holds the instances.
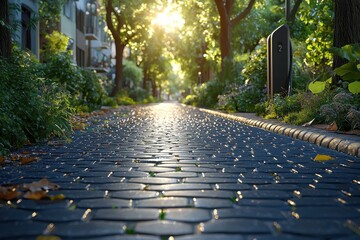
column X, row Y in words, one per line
column 2, row 159
column 322, row 158
column 57, row 197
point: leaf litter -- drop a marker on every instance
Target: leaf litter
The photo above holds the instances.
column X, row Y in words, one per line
column 34, row 191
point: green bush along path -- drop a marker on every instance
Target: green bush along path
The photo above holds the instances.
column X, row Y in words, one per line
column 165, row 170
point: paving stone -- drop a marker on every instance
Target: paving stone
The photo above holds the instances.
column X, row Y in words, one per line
column 212, row 237
column 278, row 187
column 13, row 214
column 232, row 186
column 155, row 169
column 168, row 202
column 313, row 201
column 88, row 229
column 265, row 194
column 250, row 212
column 130, row 174
column 180, row 186
column 17, row 230
column 317, row 193
column 263, row 203
column 209, row 180
column 133, row 214
column 200, row 193
column 211, row 203
column 103, row 180
column 43, row 204
column 177, row 174
column 316, row 228
column 164, row 228
column 153, row 180
column 280, row 237
column 333, row 212
column 103, row 203
column 80, row 194
column 60, row 215
column 107, row 169
column 190, row 215
column 118, row 186
column 133, row 194
column 243, row 226
column 123, row 237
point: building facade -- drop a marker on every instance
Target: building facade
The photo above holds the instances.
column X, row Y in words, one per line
column 23, row 15
column 79, row 20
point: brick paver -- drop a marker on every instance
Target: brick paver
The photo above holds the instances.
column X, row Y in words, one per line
column 165, row 170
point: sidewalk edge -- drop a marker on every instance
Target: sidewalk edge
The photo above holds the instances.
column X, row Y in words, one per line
column 312, row 135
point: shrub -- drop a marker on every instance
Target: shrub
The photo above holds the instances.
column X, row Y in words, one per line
column 190, row 100
column 32, row 108
column 342, row 111
column 132, row 74
column 207, row 93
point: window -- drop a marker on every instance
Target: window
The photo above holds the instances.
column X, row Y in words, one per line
column 80, row 57
column 67, row 9
column 80, row 20
column 25, row 28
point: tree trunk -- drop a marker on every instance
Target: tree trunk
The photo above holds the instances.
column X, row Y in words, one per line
column 5, row 36
column 118, row 69
column 224, row 30
column 226, row 23
column 346, row 27
column 154, row 92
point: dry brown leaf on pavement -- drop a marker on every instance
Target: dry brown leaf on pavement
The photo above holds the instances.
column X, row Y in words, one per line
column 9, row 193
column 41, row 185
column 36, row 195
column 27, row 160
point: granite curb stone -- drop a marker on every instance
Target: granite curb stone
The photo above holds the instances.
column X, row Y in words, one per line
column 322, row 138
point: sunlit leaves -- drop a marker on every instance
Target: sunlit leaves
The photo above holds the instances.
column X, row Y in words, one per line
column 354, row 87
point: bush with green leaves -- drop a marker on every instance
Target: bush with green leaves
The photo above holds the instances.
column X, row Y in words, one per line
column 248, row 87
column 32, row 108
column 207, row 93
column 342, row 110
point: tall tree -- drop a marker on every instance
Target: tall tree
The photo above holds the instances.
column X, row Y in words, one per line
column 347, row 26
column 225, row 9
column 5, row 37
column 125, row 20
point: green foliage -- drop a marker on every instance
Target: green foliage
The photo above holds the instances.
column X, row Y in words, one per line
column 190, row 99
column 56, row 43
column 248, row 87
column 296, row 109
column 208, row 93
column 132, row 74
column 349, row 72
column 122, row 98
column 317, row 17
column 82, row 84
column 32, row 108
column 342, row 110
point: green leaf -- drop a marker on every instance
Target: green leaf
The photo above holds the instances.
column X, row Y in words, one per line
column 354, row 87
column 348, row 72
column 317, row 86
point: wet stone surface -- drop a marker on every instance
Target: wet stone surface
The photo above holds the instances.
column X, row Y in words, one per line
column 165, row 170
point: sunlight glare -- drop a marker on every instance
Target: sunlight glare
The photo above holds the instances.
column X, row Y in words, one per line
column 169, row 19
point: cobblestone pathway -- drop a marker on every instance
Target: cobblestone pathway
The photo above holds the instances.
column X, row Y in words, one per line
column 168, row 171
